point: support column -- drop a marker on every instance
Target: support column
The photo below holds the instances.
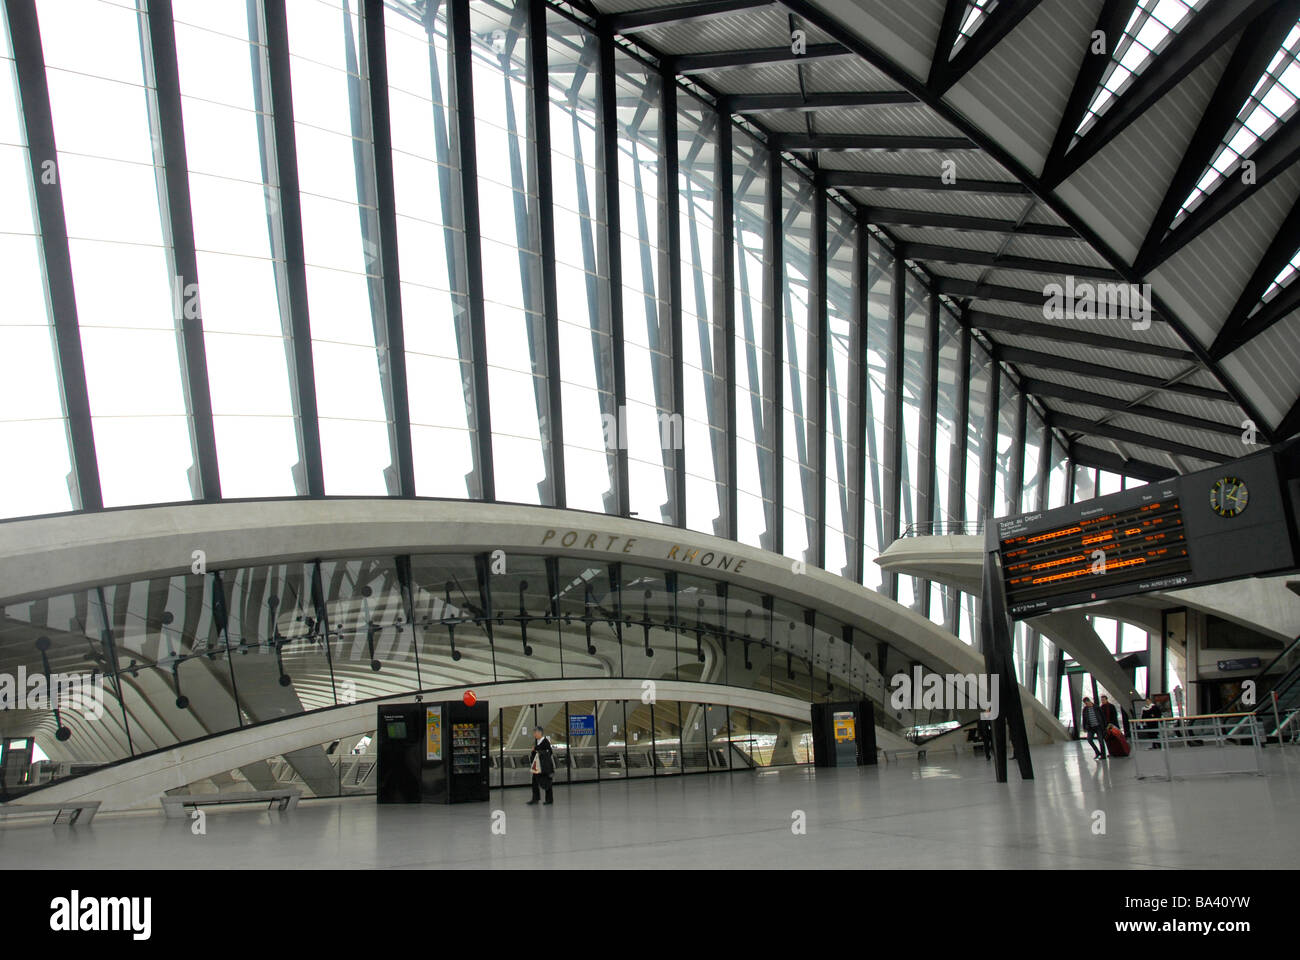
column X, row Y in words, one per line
column 540, row 117
column 858, row 387
column 612, row 245
column 894, row 420
column 34, row 100
column 385, row 194
column 819, row 335
column 671, row 250
column 310, row 470
column 774, row 256
column 725, row 297
column 462, row 80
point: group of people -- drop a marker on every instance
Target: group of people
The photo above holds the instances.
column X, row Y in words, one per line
column 1096, row 719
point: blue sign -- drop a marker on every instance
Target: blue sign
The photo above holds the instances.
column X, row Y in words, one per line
column 1243, row 663
column 582, row 724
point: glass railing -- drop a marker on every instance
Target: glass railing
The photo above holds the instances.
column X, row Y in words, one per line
column 945, row 528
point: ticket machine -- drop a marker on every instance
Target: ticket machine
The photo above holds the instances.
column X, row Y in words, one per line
column 844, row 734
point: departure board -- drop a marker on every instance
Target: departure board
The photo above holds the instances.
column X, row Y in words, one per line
column 1101, row 551
column 1228, row 522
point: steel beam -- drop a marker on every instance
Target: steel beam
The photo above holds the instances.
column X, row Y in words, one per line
column 1046, row 388
column 170, row 132
column 540, row 115
column 673, row 14
column 946, row 68
column 385, row 193
column 295, row 267
column 1206, row 31
column 42, row 155
column 843, row 142
column 671, row 271
column 774, row 282
column 858, row 387
column 996, row 261
column 889, row 216
column 688, row 64
column 819, row 333
column 1049, row 331
column 1107, row 372
column 612, row 247
column 1063, row 421
column 800, row 102
column 868, row 180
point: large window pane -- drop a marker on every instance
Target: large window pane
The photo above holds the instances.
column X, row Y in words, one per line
column 340, row 228
column 104, row 111
column 33, row 428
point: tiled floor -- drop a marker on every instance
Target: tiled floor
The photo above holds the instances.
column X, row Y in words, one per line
column 944, row 812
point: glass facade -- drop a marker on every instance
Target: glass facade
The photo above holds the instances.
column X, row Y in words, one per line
column 180, row 658
column 469, row 250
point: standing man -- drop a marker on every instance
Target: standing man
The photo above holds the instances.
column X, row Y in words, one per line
column 1094, row 725
column 542, row 763
column 1109, row 714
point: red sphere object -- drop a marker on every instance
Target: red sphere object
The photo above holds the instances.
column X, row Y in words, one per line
column 470, row 698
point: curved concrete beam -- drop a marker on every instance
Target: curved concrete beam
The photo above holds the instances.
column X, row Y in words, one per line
column 139, row 783
column 46, row 556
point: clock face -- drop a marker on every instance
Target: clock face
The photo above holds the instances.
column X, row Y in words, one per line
column 1229, row 496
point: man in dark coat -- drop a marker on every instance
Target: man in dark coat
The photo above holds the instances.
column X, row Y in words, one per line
column 542, row 763
column 1094, row 725
column 1109, row 715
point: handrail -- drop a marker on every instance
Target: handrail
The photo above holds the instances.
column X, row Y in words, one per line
column 1262, row 700
column 944, row 528
column 1201, row 745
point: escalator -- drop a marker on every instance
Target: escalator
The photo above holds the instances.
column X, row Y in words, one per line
column 1280, row 720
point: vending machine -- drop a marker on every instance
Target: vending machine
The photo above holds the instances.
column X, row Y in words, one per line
column 432, row 752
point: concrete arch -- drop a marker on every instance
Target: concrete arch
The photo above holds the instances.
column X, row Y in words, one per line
column 48, row 555
column 139, row 783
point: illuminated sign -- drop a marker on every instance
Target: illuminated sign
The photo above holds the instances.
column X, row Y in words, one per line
column 1164, row 535
column 433, row 733
column 1099, row 551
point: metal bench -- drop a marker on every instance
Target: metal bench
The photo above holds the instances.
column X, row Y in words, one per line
column 75, row 808
column 287, row 797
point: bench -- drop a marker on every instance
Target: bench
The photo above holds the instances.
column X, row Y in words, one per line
column 287, row 797
column 76, row 808
column 919, row 753
column 893, row 755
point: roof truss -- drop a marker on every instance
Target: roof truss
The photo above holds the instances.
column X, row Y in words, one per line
column 1063, row 334
column 946, row 70
column 1208, row 30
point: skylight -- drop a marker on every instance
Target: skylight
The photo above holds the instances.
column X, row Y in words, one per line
column 977, row 11
column 1280, row 282
column 1150, row 29
column 1270, row 104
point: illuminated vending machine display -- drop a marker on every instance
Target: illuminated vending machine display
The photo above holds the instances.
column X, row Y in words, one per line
column 433, row 752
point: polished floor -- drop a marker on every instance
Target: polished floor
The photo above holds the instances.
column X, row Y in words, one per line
column 939, row 813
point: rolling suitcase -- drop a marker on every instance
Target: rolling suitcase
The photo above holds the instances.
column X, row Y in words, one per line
column 1116, row 742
